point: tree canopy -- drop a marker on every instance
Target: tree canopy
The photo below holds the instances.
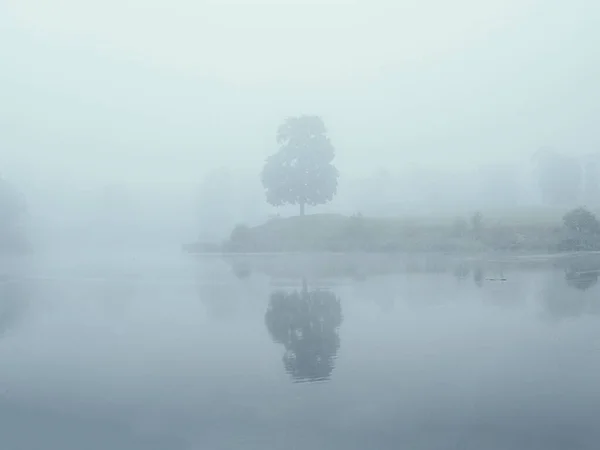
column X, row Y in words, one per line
column 580, row 220
column 301, row 172
column 582, row 231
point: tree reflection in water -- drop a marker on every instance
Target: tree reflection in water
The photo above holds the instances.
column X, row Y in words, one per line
column 478, row 276
column 560, row 302
column 13, row 303
column 307, row 324
column 581, row 280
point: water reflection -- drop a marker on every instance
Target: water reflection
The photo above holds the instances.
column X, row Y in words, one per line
column 478, row 276
column 241, row 270
column 560, row 305
column 581, row 280
column 460, row 372
column 582, row 275
column 461, row 271
column 306, row 323
column 574, row 295
column 13, row 304
column 115, row 294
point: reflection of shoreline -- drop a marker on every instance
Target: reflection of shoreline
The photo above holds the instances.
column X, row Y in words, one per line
column 14, row 301
column 582, row 277
column 306, row 323
column 574, row 295
column 362, row 266
column 563, row 286
column 15, row 290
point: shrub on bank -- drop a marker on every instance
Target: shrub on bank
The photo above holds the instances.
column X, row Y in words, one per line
column 581, row 231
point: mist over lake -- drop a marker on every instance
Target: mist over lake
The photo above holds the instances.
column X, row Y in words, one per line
column 137, row 351
column 298, row 224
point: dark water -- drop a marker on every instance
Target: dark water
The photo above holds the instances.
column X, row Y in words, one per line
column 163, row 351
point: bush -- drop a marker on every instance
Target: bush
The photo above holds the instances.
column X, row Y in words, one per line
column 239, row 239
column 580, row 220
column 582, row 231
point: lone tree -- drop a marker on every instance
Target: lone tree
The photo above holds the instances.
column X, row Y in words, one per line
column 301, row 172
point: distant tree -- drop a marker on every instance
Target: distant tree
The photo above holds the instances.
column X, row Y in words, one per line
column 580, row 220
column 582, row 230
column 240, row 238
column 559, row 177
column 301, row 172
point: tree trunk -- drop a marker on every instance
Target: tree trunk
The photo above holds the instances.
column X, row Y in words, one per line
column 302, row 208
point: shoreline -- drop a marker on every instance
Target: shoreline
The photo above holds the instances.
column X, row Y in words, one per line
column 339, row 234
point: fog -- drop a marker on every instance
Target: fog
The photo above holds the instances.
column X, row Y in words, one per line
column 131, row 130
column 157, row 97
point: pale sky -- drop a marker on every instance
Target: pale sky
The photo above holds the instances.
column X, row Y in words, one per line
column 167, row 89
column 252, row 42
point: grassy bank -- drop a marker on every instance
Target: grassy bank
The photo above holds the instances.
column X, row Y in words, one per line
column 338, row 233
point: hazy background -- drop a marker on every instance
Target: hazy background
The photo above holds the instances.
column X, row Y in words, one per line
column 152, row 112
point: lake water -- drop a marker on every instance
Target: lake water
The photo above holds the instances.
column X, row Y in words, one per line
column 161, row 350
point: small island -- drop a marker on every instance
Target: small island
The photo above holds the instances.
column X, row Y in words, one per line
column 302, row 173
column 579, row 231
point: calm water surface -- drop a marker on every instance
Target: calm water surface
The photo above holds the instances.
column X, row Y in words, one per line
column 163, row 351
